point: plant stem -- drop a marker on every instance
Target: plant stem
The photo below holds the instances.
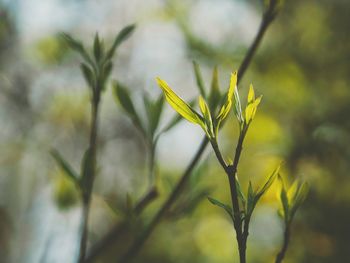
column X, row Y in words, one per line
column 245, row 233
column 90, row 174
column 286, row 238
column 231, row 171
column 152, row 164
column 266, row 21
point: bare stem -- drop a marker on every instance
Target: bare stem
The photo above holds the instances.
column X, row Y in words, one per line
column 286, row 238
column 231, row 172
column 90, row 174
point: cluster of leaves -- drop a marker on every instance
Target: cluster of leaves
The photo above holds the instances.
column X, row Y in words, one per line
column 96, row 69
column 210, row 121
column 151, row 132
column 291, row 199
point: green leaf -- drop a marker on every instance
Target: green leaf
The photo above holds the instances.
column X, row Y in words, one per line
column 215, row 95
column 88, row 75
column 179, row 105
column 78, row 47
column 268, row 183
column 175, row 120
column 207, row 117
column 154, row 111
column 98, row 50
column 122, row 95
column 225, row 109
column 284, row 200
column 252, row 105
column 227, row 208
column 123, row 35
column 199, row 79
column 251, row 198
column 298, row 198
column 240, row 192
column 64, row 165
column 107, row 69
column 254, row 196
column 251, row 94
column 238, row 107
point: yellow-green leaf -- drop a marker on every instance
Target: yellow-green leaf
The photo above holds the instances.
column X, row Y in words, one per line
column 251, row 94
column 225, row 109
column 207, row 116
column 249, row 112
column 256, row 104
column 233, row 83
column 293, row 191
column 178, row 104
column 251, row 108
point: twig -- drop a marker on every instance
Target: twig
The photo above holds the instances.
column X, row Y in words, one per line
column 87, row 190
column 286, row 238
column 231, row 171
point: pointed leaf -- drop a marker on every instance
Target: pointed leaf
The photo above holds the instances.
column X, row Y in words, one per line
column 238, row 106
column 240, row 192
column 225, row 109
column 300, row 196
column 269, row 182
column 284, row 201
column 97, row 48
column 154, row 111
column 65, row 166
column 107, row 69
column 250, row 199
column 207, row 117
column 179, row 105
column 78, row 47
column 251, row 94
column 227, row 208
column 88, row 75
column 199, row 79
column 123, row 35
column 122, row 96
column 252, row 105
column 215, row 95
column 175, row 120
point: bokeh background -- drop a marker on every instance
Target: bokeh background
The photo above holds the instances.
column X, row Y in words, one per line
column 302, row 69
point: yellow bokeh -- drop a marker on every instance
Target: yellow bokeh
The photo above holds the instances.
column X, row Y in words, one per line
column 215, row 238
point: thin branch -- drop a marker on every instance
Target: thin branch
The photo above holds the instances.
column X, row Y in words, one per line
column 231, row 173
column 90, row 176
column 286, row 238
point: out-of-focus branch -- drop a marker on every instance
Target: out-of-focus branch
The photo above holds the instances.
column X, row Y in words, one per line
column 286, row 237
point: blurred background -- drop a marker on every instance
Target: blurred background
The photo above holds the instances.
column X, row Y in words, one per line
column 302, row 69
